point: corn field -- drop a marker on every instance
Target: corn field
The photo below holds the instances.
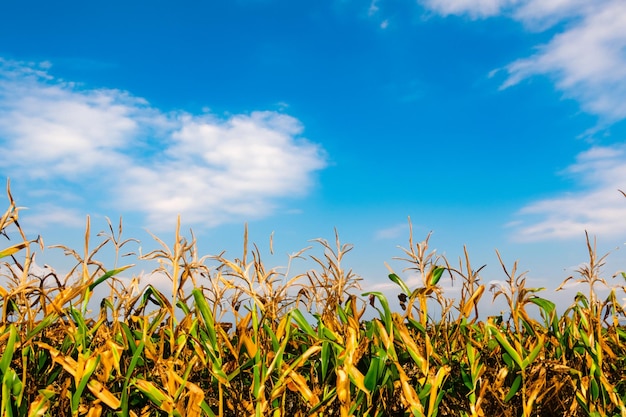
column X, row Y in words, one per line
column 238, row 339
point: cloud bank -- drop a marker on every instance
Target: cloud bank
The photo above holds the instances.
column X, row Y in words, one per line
column 140, row 159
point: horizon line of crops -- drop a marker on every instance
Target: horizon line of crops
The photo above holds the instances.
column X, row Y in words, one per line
column 240, row 339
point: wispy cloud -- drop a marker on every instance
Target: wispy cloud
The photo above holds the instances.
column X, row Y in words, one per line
column 48, row 214
column 473, row 8
column 373, row 9
column 598, row 208
column 393, row 232
column 52, row 128
column 108, row 143
column 586, row 60
column 542, row 14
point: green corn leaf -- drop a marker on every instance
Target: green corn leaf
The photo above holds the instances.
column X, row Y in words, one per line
column 257, row 370
column 274, row 339
column 47, row 321
column 582, row 402
column 582, row 298
column 207, row 409
column 90, row 367
column 533, row 353
column 14, row 382
column 128, row 335
column 414, row 324
column 435, row 275
column 127, row 378
column 207, row 316
column 528, row 327
column 12, row 392
column 546, row 305
column 54, row 375
column 327, row 398
column 255, row 321
column 341, row 312
column 184, row 307
column 40, row 406
column 373, row 373
column 278, row 356
column 156, row 322
column 156, row 297
column 477, row 371
column 397, row 280
column 425, row 391
column 386, row 313
column 108, row 275
column 9, row 350
column 325, row 358
column 517, row 383
column 435, row 410
column 81, row 328
column 157, row 396
column 436, row 393
column 326, row 333
column 298, row 317
column 585, row 339
column 218, row 372
column 594, row 388
column 210, row 347
column 467, row 380
column 6, row 405
column 153, row 393
column 471, row 353
column 506, row 345
column 104, row 277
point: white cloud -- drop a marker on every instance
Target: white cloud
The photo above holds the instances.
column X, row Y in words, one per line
column 214, row 170
column 542, row 14
column 393, row 232
column 373, row 9
column 207, row 169
column 52, row 128
column 474, row 8
column 587, row 61
column 48, row 214
column 599, row 208
column 533, row 12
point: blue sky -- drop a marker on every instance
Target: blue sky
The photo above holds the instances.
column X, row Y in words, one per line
column 492, row 123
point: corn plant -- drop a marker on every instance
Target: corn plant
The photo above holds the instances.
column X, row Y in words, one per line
column 235, row 337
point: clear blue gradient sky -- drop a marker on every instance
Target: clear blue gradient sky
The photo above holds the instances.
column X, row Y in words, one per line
column 492, row 123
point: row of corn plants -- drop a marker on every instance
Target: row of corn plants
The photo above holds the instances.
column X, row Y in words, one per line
column 234, row 338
